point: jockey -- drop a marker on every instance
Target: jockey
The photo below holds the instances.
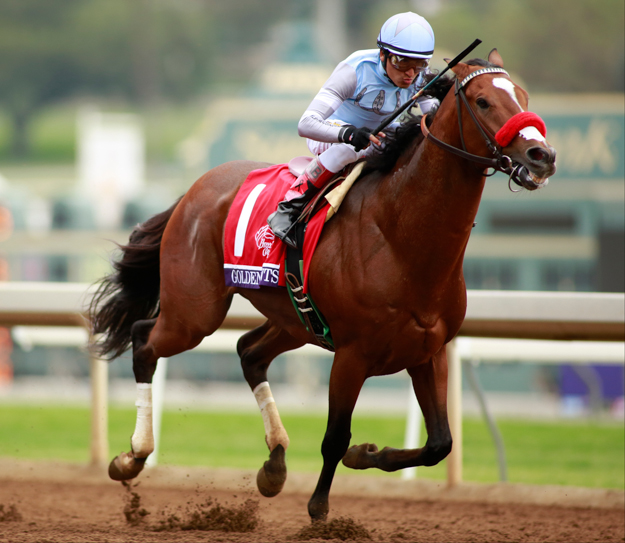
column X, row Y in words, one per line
column 363, row 91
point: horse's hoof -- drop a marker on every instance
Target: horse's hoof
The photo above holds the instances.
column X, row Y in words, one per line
column 361, row 456
column 125, row 466
column 272, row 476
column 318, row 509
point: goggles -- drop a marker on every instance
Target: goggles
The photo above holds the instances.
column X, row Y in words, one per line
column 403, row 64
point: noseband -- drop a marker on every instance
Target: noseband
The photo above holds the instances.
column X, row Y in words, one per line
column 517, row 173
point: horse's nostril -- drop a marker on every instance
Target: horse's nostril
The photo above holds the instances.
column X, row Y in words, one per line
column 538, row 154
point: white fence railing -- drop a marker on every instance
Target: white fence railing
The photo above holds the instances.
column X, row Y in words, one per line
column 506, row 314
column 552, row 316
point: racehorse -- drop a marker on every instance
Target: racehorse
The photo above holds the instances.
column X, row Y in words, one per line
column 386, row 275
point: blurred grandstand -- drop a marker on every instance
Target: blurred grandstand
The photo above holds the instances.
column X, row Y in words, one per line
column 60, row 223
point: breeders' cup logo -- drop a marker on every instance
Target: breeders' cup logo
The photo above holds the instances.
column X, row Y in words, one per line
column 264, row 239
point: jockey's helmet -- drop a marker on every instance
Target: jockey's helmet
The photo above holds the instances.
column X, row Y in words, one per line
column 407, row 35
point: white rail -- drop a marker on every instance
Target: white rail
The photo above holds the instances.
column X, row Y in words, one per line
column 495, row 314
column 506, row 314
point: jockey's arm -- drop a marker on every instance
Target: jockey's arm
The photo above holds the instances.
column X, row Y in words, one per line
column 426, row 103
column 340, row 86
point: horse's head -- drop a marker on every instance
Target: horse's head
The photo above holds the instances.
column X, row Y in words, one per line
column 498, row 109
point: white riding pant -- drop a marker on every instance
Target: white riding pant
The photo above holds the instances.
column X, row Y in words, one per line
column 335, row 156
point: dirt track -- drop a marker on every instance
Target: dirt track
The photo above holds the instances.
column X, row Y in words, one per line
column 61, row 503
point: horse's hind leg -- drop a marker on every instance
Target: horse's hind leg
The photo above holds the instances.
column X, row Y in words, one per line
column 161, row 337
column 257, row 349
column 129, row 465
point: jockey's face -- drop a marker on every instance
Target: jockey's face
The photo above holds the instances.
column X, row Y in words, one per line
column 401, row 79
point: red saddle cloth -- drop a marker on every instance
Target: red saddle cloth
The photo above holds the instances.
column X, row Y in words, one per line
column 253, row 256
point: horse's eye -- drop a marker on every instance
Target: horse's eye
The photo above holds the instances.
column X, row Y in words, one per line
column 482, row 104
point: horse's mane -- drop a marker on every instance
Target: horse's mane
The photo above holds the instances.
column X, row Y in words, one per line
column 397, row 142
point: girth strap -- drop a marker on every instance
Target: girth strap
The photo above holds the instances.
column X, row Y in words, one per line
column 306, row 309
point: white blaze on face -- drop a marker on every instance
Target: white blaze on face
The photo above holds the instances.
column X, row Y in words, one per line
column 508, row 86
column 531, row 133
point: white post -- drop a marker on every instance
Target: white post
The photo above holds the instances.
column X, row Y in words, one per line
column 99, row 412
column 158, row 396
column 414, row 419
column 454, row 409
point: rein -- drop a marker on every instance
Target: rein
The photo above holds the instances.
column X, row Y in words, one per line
column 500, row 162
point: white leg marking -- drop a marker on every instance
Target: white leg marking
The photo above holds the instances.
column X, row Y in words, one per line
column 244, row 219
column 142, row 441
column 508, row 86
column 275, row 434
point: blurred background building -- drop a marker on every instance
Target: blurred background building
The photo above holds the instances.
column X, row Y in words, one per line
column 109, row 110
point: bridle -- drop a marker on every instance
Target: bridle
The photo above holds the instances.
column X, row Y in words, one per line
column 500, row 162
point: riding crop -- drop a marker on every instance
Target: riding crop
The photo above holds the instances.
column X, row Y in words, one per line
column 412, row 101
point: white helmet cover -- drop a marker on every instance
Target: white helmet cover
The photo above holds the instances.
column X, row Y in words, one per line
column 407, row 34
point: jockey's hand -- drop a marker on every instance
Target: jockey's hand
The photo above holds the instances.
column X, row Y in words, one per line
column 359, row 138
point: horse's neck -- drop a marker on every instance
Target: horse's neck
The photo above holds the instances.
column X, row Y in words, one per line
column 434, row 198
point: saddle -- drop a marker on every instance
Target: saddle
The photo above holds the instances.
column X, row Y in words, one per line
column 333, row 193
column 329, row 197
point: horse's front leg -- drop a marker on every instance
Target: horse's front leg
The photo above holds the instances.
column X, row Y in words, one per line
column 128, row 465
column 257, row 349
column 429, row 381
column 346, row 380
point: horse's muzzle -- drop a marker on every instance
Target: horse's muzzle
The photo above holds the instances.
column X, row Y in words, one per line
column 539, row 165
column 541, row 160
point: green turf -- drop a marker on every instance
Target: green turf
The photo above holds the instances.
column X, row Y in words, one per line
column 578, row 453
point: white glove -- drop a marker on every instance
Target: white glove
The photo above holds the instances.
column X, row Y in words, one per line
column 426, row 104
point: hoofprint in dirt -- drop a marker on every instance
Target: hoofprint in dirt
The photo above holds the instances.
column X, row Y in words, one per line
column 55, row 506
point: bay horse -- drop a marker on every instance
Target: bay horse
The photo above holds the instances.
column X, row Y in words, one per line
column 386, row 275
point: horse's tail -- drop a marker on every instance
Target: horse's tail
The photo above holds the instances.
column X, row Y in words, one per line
column 131, row 292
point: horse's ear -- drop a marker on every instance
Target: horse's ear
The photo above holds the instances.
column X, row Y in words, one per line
column 495, row 58
column 459, row 69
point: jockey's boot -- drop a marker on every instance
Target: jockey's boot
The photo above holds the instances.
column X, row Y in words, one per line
column 281, row 221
